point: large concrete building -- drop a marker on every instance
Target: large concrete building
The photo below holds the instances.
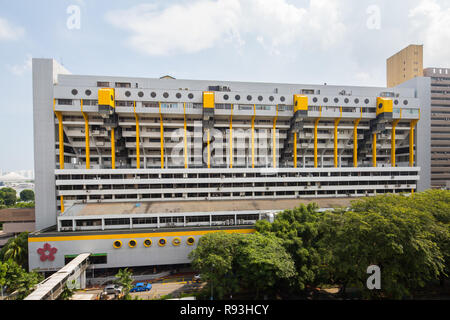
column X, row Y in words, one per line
column 404, row 65
column 440, row 126
column 135, row 170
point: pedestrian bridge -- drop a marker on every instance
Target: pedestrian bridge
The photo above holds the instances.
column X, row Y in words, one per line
column 53, row 286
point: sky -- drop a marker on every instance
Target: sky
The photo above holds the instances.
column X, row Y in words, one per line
column 342, row 42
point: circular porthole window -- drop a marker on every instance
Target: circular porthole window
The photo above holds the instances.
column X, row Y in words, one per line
column 88, row 92
column 140, row 94
column 405, row 102
column 176, row 241
column 225, row 97
column 74, row 92
column 356, row 100
column 190, row 96
column 147, row 242
column 271, row 98
column 346, row 100
column 336, row 100
column 127, row 93
column 260, row 98
column 153, row 94
column 162, row 242
column 380, row 106
column 396, row 102
column 282, row 99
column 117, row 244
column 249, row 98
column 190, row 241
column 132, row 243
column 366, row 101
column 165, row 95
column 178, row 95
column 314, row 99
column 237, row 97
column 325, row 100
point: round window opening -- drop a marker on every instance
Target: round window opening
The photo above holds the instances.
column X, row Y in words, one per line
column 176, row 241
column 88, row 92
column 282, row 99
column 346, row 100
column 190, row 241
column 178, row 95
column 225, row 97
column 153, row 94
column 132, row 243
column 165, row 95
column 396, row 102
column 127, row 93
column 117, row 244
column 190, row 96
column 74, row 92
column 314, row 99
column 237, row 97
column 336, row 100
column 140, row 94
column 356, row 100
column 147, row 242
column 325, row 99
column 260, row 98
column 405, row 102
column 366, row 101
column 162, row 242
column 271, row 98
column 249, row 98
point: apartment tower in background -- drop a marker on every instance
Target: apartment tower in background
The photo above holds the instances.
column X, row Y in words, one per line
column 404, row 65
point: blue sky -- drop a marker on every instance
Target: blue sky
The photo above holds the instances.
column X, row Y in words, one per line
column 303, row 41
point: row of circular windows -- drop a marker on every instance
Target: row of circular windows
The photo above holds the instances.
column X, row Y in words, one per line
column 148, row 242
column 238, row 97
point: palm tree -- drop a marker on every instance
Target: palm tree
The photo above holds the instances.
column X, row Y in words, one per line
column 16, row 251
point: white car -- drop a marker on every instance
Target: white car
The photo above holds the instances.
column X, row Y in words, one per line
column 113, row 289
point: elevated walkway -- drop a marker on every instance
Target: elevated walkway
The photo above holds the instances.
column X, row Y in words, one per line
column 52, row 287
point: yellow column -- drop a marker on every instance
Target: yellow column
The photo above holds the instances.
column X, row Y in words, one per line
column 138, row 142
column 208, row 150
column 374, row 150
column 253, row 136
column 231, row 138
column 113, row 150
column 274, row 141
column 185, row 137
column 62, row 203
column 411, row 142
column 316, row 123
column 295, row 149
column 394, row 125
column 161, row 130
column 86, row 136
column 336, row 123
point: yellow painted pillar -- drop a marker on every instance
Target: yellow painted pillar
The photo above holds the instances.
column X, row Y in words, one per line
column 253, row 136
column 86, row 136
column 295, row 149
column 62, row 203
column 394, row 125
column 274, row 141
column 316, row 124
column 113, row 150
column 231, row 137
column 161, row 130
column 185, row 138
column 208, row 148
column 336, row 123
column 138, row 142
column 374, row 150
column 411, row 142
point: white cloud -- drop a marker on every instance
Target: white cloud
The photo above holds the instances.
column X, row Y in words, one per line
column 9, row 31
column 202, row 24
column 20, row 69
column 431, row 25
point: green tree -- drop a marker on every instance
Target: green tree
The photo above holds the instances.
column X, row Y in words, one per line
column 236, row 262
column 16, row 279
column 124, row 278
column 384, row 231
column 27, row 195
column 299, row 231
column 8, row 196
column 16, row 249
column 67, row 292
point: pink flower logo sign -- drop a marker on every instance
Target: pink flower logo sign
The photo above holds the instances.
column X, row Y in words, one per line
column 47, row 252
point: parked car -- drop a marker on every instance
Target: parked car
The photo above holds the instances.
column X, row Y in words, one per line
column 141, row 286
column 113, row 289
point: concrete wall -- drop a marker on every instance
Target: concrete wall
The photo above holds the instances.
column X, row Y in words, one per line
column 422, row 88
column 44, row 76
